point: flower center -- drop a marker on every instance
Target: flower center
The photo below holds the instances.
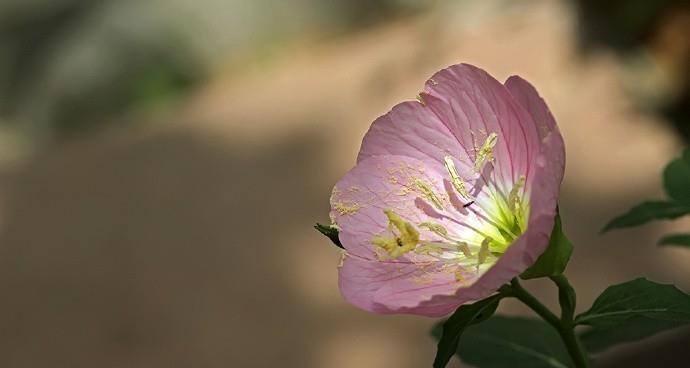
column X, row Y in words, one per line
column 469, row 234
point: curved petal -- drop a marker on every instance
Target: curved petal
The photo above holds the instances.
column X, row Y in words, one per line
column 473, row 105
column 529, row 98
column 553, row 147
column 412, row 129
column 531, row 244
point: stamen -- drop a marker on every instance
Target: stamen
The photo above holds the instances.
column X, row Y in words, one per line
column 437, row 229
column 398, row 245
column 483, row 251
column 458, row 184
column 514, row 200
column 433, row 247
column 428, row 193
column 465, row 249
column 486, row 152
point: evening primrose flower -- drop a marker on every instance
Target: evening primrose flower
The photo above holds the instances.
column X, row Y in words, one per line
column 453, row 195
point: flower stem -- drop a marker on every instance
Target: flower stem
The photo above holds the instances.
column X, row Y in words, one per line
column 564, row 325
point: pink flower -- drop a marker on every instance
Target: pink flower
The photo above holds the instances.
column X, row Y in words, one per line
column 452, row 196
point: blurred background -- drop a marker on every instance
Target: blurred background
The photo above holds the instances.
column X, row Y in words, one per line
column 162, row 163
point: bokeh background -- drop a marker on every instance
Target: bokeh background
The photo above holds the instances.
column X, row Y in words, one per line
column 162, row 163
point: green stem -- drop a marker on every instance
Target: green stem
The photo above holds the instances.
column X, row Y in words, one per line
column 564, row 325
column 566, row 297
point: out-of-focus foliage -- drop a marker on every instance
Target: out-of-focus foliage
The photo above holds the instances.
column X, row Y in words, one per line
column 652, row 39
column 677, row 186
column 68, row 65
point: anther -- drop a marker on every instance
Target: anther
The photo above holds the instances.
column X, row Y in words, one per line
column 428, row 193
column 455, row 179
column 486, row 152
column 483, row 251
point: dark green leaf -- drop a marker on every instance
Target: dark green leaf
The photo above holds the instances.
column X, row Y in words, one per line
column 632, row 311
column 636, row 328
column 515, row 342
column 648, row 211
column 555, row 258
column 331, row 232
column 677, row 178
column 676, row 239
column 454, row 326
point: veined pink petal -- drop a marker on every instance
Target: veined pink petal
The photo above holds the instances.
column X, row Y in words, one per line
column 430, row 163
column 529, row 98
column 380, row 183
column 414, row 130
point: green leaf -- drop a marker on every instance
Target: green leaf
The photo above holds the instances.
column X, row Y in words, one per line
column 598, row 339
column 632, row 311
column 556, row 256
column 676, row 239
column 648, row 211
column 331, row 232
column 677, row 178
column 453, row 328
column 515, row 342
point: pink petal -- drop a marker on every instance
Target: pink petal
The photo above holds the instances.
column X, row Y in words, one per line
column 413, row 130
column 529, row 98
column 376, row 184
column 384, row 287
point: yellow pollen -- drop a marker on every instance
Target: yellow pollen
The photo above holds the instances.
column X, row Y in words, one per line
column 458, row 275
column 343, row 255
column 486, row 152
column 420, row 99
column 458, row 184
column 428, row 193
column 345, row 208
column 406, row 241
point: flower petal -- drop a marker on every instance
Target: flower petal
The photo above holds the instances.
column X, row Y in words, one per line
column 413, row 130
column 531, row 244
column 553, row 147
column 473, row 105
column 529, row 98
column 525, row 250
column 383, row 183
column 387, row 288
